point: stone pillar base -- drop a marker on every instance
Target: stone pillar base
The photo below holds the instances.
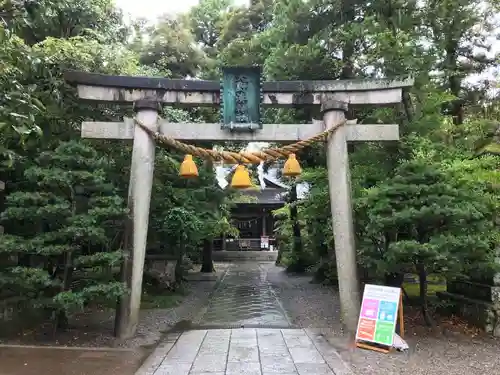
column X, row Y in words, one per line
column 477, row 303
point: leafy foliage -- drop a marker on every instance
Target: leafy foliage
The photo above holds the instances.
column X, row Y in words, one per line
column 422, row 216
column 65, row 225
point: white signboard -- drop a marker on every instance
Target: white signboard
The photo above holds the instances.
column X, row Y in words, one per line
column 264, row 242
column 379, row 313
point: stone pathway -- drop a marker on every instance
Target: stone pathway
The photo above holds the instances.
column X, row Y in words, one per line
column 244, row 298
column 245, row 352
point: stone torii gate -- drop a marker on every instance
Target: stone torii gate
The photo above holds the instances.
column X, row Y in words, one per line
column 147, row 96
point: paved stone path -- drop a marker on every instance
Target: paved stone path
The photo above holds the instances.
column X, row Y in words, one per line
column 244, row 298
column 244, row 330
column 245, row 352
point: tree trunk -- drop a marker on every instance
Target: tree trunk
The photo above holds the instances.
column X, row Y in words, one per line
column 396, row 68
column 61, row 319
column 422, row 275
column 348, row 17
column 122, row 303
column 207, row 264
column 348, row 49
column 394, row 279
column 294, row 217
column 454, row 81
column 297, row 237
column 408, row 108
column 178, row 272
column 280, row 255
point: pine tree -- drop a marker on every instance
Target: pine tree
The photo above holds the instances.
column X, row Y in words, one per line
column 425, row 220
column 63, row 232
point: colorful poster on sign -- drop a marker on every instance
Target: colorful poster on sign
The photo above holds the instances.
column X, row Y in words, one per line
column 379, row 313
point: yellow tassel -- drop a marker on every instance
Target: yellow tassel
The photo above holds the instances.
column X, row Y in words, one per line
column 188, row 168
column 241, row 178
column 292, row 167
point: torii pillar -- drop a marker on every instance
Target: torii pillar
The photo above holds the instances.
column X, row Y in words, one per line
column 339, row 184
column 136, row 229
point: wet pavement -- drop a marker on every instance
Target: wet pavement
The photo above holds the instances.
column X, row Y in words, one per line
column 245, row 330
column 244, row 298
column 19, row 360
column 245, row 351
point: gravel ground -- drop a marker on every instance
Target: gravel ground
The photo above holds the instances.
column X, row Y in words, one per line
column 431, row 353
column 308, row 305
column 154, row 322
column 455, row 354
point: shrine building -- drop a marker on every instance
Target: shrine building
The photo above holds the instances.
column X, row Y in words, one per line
column 253, row 213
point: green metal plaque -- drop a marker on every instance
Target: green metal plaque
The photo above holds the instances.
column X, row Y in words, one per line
column 241, row 98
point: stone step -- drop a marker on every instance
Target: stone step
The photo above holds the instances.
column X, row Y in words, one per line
column 411, row 278
column 263, row 256
column 477, row 312
column 474, row 290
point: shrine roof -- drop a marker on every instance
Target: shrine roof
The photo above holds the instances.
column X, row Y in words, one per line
column 194, row 85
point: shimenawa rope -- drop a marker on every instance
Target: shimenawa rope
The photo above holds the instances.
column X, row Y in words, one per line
column 244, row 157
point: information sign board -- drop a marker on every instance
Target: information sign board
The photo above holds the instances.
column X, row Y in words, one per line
column 379, row 314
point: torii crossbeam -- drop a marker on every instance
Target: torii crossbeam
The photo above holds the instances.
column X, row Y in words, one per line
column 334, row 97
